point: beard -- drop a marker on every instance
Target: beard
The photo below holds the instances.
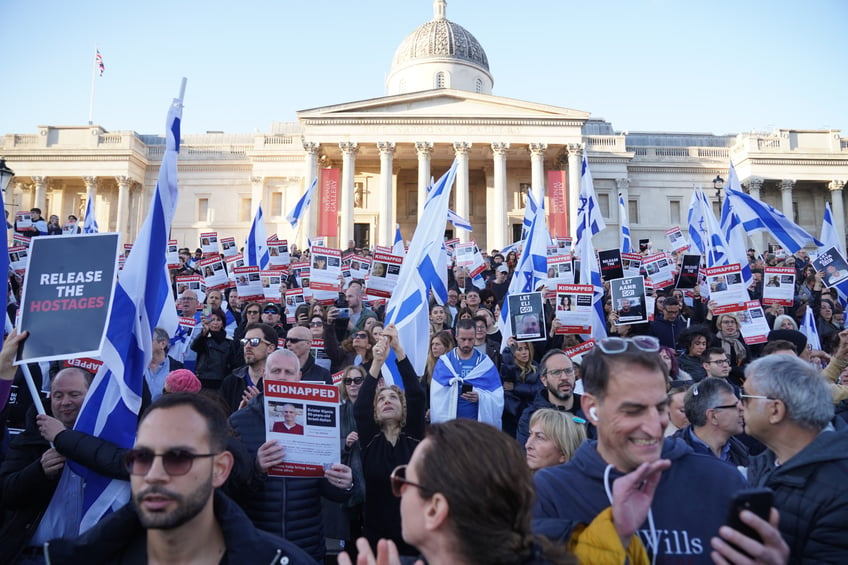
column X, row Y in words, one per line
column 188, row 506
column 561, row 395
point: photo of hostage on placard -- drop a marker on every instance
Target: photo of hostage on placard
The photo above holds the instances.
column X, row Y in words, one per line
column 527, row 315
column 284, row 416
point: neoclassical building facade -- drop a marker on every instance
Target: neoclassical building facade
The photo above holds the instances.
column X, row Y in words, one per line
column 439, row 107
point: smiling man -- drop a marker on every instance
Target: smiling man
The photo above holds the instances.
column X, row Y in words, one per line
column 624, row 383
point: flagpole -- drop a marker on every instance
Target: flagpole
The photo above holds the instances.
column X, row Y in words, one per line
column 93, row 82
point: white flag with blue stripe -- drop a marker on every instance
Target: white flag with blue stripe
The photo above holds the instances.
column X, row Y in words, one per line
column 829, row 236
column 143, row 301
column 409, row 306
column 734, row 234
column 626, row 243
column 705, row 231
column 302, row 206
column 529, row 213
column 759, row 216
column 590, row 221
column 256, row 246
column 458, row 221
column 89, row 224
column 398, row 247
column 809, row 329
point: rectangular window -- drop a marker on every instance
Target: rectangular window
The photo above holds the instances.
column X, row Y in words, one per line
column 633, row 212
column 202, row 209
column 276, row 204
column 674, row 212
column 604, row 204
column 244, row 209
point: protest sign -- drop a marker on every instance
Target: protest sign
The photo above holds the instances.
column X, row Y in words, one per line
column 70, row 284
column 248, row 284
column 325, row 282
column 385, row 269
column 676, row 239
column 209, row 243
column 294, row 298
column 834, row 266
column 658, row 269
column 628, row 300
column 726, row 288
column 278, row 253
column 560, row 270
column 528, row 316
column 192, row 282
column 228, row 246
column 688, row 275
column 304, row 418
column 173, row 256
column 574, row 308
column 779, row 285
column 610, row 262
column 213, row 272
column 631, row 264
column 752, row 323
column 271, row 285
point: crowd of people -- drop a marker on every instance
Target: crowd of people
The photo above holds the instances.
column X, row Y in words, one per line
column 502, row 451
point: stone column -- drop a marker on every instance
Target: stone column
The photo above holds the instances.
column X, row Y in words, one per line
column 498, row 224
column 837, row 207
column 387, row 214
column 537, row 168
column 40, row 194
column 311, row 172
column 17, row 199
column 122, row 224
column 575, row 158
column 349, row 150
column 461, row 149
column 425, row 150
column 786, row 186
column 754, row 186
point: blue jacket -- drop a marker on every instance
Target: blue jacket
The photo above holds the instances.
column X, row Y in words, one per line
column 690, row 504
column 286, row 507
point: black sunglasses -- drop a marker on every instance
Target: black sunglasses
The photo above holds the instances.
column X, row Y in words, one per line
column 353, row 380
column 253, row 341
column 296, row 339
column 359, row 335
column 398, row 479
column 175, row 461
column 270, row 311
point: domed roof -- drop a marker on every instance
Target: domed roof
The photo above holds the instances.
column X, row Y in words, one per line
column 440, row 38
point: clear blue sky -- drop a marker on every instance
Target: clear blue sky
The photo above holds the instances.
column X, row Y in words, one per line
column 657, row 65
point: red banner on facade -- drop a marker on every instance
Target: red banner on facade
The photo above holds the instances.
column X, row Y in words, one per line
column 328, row 202
column 557, row 203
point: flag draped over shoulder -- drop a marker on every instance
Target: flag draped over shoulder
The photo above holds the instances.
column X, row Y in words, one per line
column 626, row 243
column 256, row 246
column 302, row 206
column 590, row 221
column 143, row 300
column 90, row 221
column 759, row 216
column 408, row 307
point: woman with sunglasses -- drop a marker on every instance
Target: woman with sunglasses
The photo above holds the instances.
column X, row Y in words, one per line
column 391, row 424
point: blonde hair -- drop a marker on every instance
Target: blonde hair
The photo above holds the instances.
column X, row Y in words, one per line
column 560, row 428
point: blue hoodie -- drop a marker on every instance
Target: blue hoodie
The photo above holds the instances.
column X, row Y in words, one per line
column 690, row 503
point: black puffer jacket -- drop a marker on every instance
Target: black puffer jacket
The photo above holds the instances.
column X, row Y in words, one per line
column 286, row 507
column 811, row 494
column 214, row 358
column 120, row 539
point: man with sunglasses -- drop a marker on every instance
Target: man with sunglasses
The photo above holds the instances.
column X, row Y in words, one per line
column 788, row 406
column 178, row 514
column 272, row 315
column 259, row 341
column 624, row 384
column 299, row 342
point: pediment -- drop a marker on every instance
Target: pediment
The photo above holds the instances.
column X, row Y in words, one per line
column 442, row 104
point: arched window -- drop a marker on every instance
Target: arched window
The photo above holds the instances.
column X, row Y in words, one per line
column 441, row 80
column 478, row 86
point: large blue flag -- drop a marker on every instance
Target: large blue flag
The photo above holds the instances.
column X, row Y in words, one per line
column 408, row 307
column 302, row 206
column 143, row 301
column 256, row 246
column 759, row 216
column 626, row 243
column 590, row 221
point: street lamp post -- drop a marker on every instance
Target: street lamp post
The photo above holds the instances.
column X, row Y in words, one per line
column 6, row 175
column 718, row 185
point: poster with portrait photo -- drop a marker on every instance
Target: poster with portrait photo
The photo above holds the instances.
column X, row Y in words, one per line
column 752, row 323
column 23, row 220
column 659, row 269
column 468, row 256
column 560, row 270
column 304, row 418
column 248, row 284
column 294, row 298
column 564, row 245
column 834, row 266
column 192, row 282
column 527, row 316
column 271, row 282
column 229, row 246
column 360, row 267
column 325, row 280
column 18, row 239
column 628, row 300
column 574, row 308
column 172, row 256
column 779, row 285
column 726, row 288
column 278, row 253
column 18, row 258
column 676, row 239
column 209, row 243
column 631, row 264
column 385, row 269
column 234, row 261
column 213, row 272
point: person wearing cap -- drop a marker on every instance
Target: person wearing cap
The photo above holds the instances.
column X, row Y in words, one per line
column 272, row 315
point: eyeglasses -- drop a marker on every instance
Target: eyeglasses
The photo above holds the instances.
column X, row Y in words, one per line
column 296, row 339
column 176, row 462
column 359, row 335
column 398, row 479
column 253, row 341
column 270, row 311
column 744, row 397
column 616, row 345
column 353, row 380
column 725, row 407
column 719, row 362
column 252, row 312
column 557, row 373
column 316, row 324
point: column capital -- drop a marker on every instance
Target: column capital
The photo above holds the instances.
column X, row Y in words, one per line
column 500, row 148
column 90, row 182
column 575, row 150
column 311, row 146
column 754, row 183
column 835, row 185
column 537, row 148
column 386, row 146
column 40, row 181
column 124, row 181
column 424, row 147
column 461, row 147
column 349, row 147
column 622, row 183
column 787, row 184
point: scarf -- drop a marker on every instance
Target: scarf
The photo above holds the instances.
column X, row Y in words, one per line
column 732, row 346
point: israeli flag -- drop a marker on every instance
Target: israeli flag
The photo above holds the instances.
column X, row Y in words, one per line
column 625, row 224
column 398, row 248
column 734, row 235
column 302, row 206
column 90, row 222
column 759, row 216
column 143, row 301
column 256, row 245
column 529, row 213
column 458, row 221
column 590, row 221
column 809, row 329
column 705, row 231
column 829, row 236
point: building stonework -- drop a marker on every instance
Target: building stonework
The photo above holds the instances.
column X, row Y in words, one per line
column 388, row 148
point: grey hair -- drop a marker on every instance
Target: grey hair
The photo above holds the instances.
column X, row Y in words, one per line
column 701, row 397
column 798, row 385
column 160, row 334
column 779, row 320
column 283, row 353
